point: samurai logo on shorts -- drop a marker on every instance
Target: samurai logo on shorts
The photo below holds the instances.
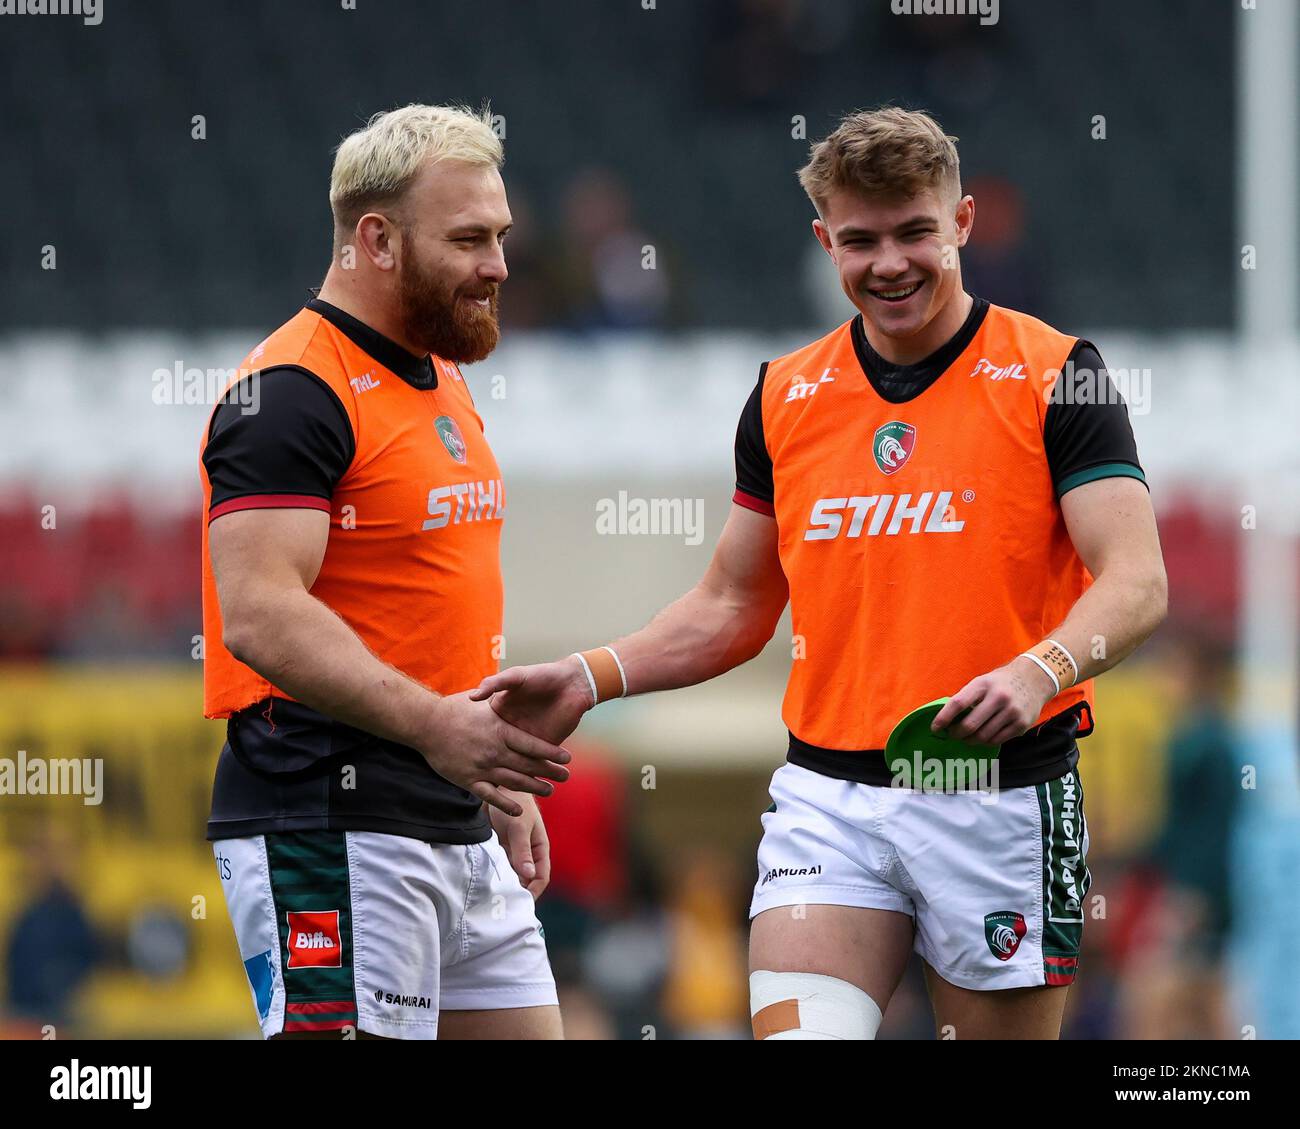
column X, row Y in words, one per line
column 314, row 940
column 1004, row 931
column 452, row 439
column 893, row 445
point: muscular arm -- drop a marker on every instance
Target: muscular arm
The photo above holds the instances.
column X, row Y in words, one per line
column 1107, row 509
column 1113, row 528
column 724, row 621
column 265, row 562
column 297, row 446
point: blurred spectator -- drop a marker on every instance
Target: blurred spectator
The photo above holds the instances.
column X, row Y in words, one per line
column 613, row 273
column 707, row 994
column 1204, row 787
column 604, row 931
column 997, row 264
column 528, row 298
column 52, row 945
column 624, row 967
column 1175, row 979
column 585, row 821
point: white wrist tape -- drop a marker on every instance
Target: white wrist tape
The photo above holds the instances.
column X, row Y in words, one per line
column 591, row 681
column 606, row 677
column 623, row 673
column 1047, row 670
column 1055, row 661
column 1073, row 665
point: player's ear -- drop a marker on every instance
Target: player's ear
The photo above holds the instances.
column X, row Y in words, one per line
column 375, row 236
column 965, row 219
column 823, row 236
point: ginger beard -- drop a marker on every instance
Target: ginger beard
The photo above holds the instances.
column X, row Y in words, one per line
column 446, row 321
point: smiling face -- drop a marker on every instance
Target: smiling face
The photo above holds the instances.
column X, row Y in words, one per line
column 898, row 264
column 452, row 260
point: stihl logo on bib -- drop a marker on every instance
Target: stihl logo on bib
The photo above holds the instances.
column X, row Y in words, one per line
column 932, row 513
column 314, row 940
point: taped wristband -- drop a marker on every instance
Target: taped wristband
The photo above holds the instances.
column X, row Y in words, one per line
column 1055, row 661
column 605, row 675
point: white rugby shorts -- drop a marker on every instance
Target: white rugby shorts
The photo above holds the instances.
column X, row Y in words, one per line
column 995, row 889
column 342, row 929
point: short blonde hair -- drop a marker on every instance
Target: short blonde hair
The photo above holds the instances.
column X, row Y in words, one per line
column 883, row 152
column 374, row 166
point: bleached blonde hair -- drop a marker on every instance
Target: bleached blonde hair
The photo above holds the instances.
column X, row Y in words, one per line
column 374, row 166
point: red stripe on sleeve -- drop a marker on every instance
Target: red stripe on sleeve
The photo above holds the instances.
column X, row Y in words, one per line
column 756, row 504
column 270, row 502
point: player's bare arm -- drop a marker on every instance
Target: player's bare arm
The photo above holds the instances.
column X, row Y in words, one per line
column 1112, row 525
column 721, row 623
column 265, row 562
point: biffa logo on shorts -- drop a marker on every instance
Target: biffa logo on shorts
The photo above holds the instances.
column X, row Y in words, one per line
column 314, row 940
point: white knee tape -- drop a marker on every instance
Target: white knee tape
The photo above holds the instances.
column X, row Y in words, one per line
column 803, row 1005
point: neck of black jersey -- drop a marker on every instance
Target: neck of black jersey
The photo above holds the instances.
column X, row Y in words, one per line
column 900, row 383
column 418, row 372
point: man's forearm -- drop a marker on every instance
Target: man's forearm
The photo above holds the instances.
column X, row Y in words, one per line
column 306, row 650
column 1111, row 620
column 698, row 637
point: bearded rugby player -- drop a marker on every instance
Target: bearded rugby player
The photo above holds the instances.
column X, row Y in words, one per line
column 352, row 598
column 949, row 495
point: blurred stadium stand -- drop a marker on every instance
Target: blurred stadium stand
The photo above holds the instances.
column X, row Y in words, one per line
column 687, row 109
